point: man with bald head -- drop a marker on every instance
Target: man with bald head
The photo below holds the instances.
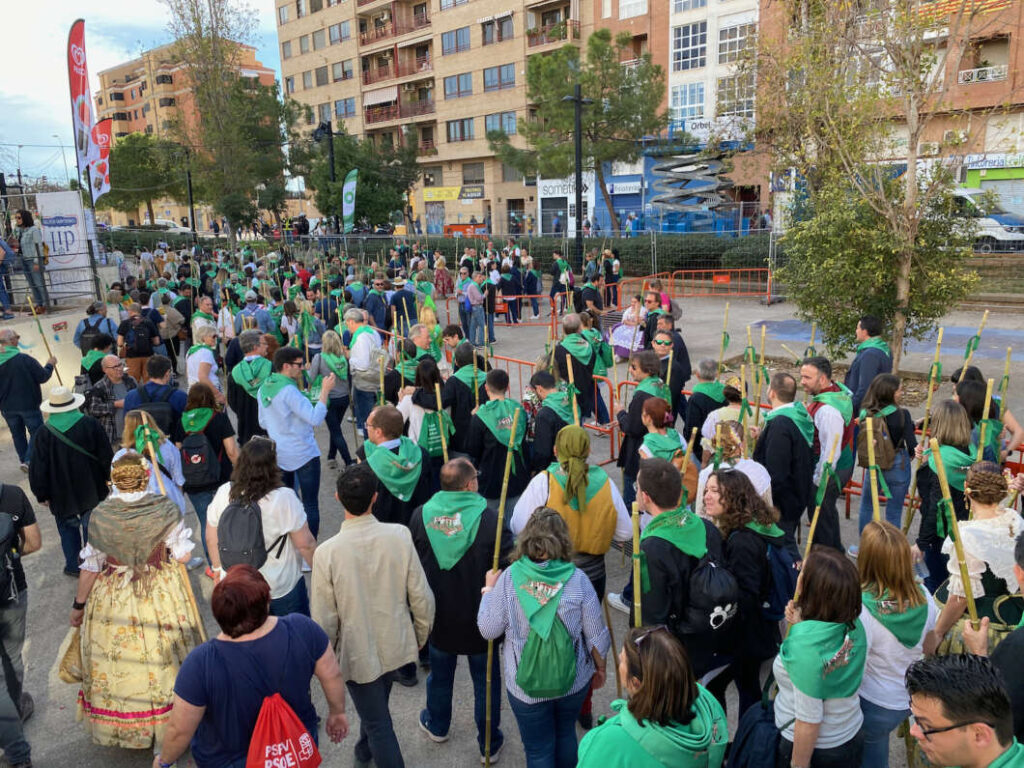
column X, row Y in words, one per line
column 20, row 395
column 105, row 400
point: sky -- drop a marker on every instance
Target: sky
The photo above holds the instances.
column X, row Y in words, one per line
column 34, row 101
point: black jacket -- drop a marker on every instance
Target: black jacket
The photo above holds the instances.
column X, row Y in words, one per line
column 633, row 431
column 545, row 429
column 782, row 450
column 390, row 509
column 697, row 409
column 20, row 378
column 745, row 556
column 458, row 397
column 650, row 329
column 489, row 457
column 457, row 591
column 680, row 374
column 865, row 366
column 71, row 482
column 584, row 378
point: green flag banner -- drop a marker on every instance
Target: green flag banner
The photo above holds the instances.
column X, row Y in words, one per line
column 348, row 200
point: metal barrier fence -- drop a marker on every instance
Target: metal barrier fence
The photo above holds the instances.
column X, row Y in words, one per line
column 694, row 283
column 501, row 308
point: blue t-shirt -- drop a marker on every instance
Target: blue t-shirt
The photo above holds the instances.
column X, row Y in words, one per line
column 232, row 679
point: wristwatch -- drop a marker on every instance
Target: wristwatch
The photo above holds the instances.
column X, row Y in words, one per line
column 78, row 606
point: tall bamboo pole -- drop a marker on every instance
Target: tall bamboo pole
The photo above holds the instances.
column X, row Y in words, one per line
column 970, row 348
column 638, row 587
column 39, row 327
column 440, row 421
column 760, row 379
column 872, row 475
column 984, row 421
column 933, row 381
column 725, row 335
column 572, row 388
column 940, row 471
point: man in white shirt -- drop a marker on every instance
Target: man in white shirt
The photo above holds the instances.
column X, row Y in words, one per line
column 365, row 354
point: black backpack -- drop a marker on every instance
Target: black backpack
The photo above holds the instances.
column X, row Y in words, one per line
column 137, row 341
column 578, row 304
column 160, row 409
column 713, row 600
column 8, row 554
column 240, row 536
column 89, row 335
column 200, row 463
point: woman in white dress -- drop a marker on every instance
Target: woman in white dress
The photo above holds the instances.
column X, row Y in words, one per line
column 626, row 338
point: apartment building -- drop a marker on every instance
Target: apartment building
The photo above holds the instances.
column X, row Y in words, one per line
column 439, row 74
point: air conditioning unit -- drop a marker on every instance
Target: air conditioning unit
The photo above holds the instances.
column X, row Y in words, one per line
column 928, row 148
column 386, row 16
column 953, row 138
column 409, row 87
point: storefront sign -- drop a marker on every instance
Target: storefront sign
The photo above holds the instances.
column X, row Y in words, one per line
column 440, row 194
column 994, row 160
column 625, row 187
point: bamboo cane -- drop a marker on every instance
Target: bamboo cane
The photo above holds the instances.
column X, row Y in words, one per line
column 796, row 358
column 940, row 471
column 572, row 387
column 440, row 422
column 873, row 476
column 760, row 380
column 476, row 386
column 1005, row 383
column 380, row 400
column 638, row 587
column 495, row 562
column 611, row 634
column 970, row 352
column 810, row 347
column 39, row 327
column 152, row 456
column 725, row 330
column 689, row 453
column 984, row 421
column 668, row 376
column 924, row 431
column 743, row 412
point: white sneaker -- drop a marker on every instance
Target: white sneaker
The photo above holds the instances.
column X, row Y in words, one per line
column 615, row 601
column 24, row 467
column 332, row 463
column 494, row 756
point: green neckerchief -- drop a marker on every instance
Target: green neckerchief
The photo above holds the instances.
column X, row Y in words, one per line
column 825, row 660
column 465, row 375
column 539, row 590
column 356, row 285
column 602, row 352
column 196, row 419
column 559, row 404
column 663, row 446
column 273, row 384
column 250, row 374
column 874, row 343
column 577, row 346
column 197, row 347
column 362, row 330
column 887, row 411
column 497, row 416
column 590, row 285
column 460, row 286
column 398, row 472
column 798, row 414
column 906, row 626
column 1011, row 758
column 338, row 365
column 772, row 531
column 956, row 463
column 452, row 519
column 88, row 361
column 563, row 265
column 713, row 389
column 407, row 370
column 200, row 313
column 993, row 430
column 62, row 422
column 654, row 386
column 506, row 277
column 840, row 400
column 681, row 528
column 596, row 478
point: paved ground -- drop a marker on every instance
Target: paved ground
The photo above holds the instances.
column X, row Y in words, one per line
column 57, row 740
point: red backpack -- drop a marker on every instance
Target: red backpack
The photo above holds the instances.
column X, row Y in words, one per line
column 280, row 740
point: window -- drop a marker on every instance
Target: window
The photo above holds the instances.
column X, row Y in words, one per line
column 307, row 80
column 116, row 96
column 120, row 115
column 319, row 40
column 345, row 107
column 316, row 5
column 460, row 130
column 164, row 79
column 472, row 173
column 606, row 8
column 321, row 76
column 736, row 95
column 149, row 129
column 433, row 176
column 282, row 14
column 304, row 44
column 99, row 101
column 289, row 85
column 324, row 111
column 446, row 4
column 687, row 101
column 630, row 8
column 133, row 94
column 145, row 109
column 497, row 78
column 689, row 46
column 301, row 8
column 286, row 49
column 167, row 101
column 502, row 121
column 497, row 31
column 338, row 32
column 457, row 86
column 508, row 173
column 455, row 41
column 135, row 114
column 342, row 70
column 688, row 5
column 732, row 41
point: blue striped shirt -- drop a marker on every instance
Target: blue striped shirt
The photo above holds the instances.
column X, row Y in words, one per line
column 580, row 611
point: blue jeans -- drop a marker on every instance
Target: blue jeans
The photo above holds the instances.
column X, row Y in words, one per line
column 602, row 409
column 37, row 284
column 898, row 480
column 336, row 408
column 74, row 532
column 879, row 722
column 200, row 502
column 362, row 405
column 5, row 300
column 12, row 639
column 305, row 481
column 490, row 328
column 464, row 319
column 536, row 306
column 439, row 695
column 19, row 423
column 377, row 740
column 548, row 729
column 477, row 322
column 296, row 601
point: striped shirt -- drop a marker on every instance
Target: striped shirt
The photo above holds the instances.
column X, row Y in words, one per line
column 580, row 611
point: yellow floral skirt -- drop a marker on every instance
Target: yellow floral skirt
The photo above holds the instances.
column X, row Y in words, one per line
column 135, row 635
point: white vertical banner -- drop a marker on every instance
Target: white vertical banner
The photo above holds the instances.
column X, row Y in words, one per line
column 62, row 219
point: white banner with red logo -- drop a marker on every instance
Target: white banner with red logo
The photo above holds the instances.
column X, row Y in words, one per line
column 99, row 169
column 81, row 96
column 64, row 232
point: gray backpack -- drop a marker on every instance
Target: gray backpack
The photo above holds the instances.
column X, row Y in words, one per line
column 240, row 537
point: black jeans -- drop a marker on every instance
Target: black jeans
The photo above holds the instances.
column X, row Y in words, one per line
column 827, row 532
column 846, row 755
column 377, row 740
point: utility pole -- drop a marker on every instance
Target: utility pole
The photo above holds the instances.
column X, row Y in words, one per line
column 578, row 104
column 191, row 204
column 67, row 176
column 326, row 131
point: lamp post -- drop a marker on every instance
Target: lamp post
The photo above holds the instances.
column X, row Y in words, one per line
column 67, row 176
column 326, row 131
column 578, row 104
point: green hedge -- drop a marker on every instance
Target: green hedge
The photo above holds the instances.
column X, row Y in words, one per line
column 750, row 251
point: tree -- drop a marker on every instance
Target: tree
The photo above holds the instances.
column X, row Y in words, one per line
column 143, row 168
column 624, row 110
column 847, row 94
column 386, row 173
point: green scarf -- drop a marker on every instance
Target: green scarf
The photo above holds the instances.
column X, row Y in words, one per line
column 663, row 446
column 195, row 420
column 563, row 265
column 1011, row 758
column 196, row 347
column 595, row 480
column 577, row 346
column 559, row 404
column 798, row 414
column 407, row 370
column 497, row 416
column 539, row 590
column 338, row 365
column 906, row 626
column 874, row 343
column 772, row 531
column 199, row 313
column 956, row 463
column 713, row 389
column 602, row 352
column 825, row 660
column 655, row 387
column 362, row 330
column 273, row 384
column 88, row 361
column 62, row 422
column 250, row 374
column 452, row 519
column 465, row 374
column 840, row 400
column 10, row 352
column 681, row 528
column 398, row 472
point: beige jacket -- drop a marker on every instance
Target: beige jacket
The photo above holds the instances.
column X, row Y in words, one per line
column 366, row 580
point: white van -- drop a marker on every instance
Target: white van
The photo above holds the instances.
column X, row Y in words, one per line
column 998, row 230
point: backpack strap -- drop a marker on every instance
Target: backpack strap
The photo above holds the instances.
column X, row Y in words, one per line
column 279, row 542
column 69, row 442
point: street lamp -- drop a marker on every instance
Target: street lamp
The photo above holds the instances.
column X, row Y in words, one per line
column 578, row 103
column 67, row 176
column 325, row 131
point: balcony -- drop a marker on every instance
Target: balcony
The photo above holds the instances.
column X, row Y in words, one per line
column 982, row 74
column 394, row 29
column 553, row 33
column 377, row 74
column 382, row 113
column 427, row 148
column 415, row 66
column 418, row 108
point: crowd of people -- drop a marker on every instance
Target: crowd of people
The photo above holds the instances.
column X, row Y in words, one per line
column 477, row 523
